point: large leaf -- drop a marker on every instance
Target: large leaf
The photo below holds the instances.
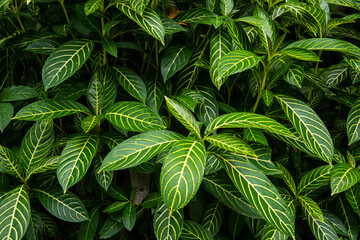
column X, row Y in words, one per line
column 88, row 229
column 321, row 230
column 10, row 163
column 133, row 116
column 168, row 225
column 49, row 109
column 259, row 192
column 67, row 207
column 14, row 214
column 311, row 207
column 353, row 123
column 247, row 120
column 184, row 116
column 231, row 143
column 236, row 61
column 6, row 113
column 310, row 127
column 16, row 93
column 75, row 159
column 182, row 173
column 220, row 44
column 300, row 54
column 64, row 61
column 271, row 233
column 36, row 144
column 149, row 20
column 174, row 59
column 213, row 217
column 192, row 230
column 131, row 82
column 138, row 149
column 314, row 179
column 343, row 177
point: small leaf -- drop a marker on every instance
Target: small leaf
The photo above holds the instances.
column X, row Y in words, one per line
column 226, row 6
column 49, row 109
column 109, row 45
column 336, row 75
column 129, row 216
column 192, row 230
column 288, row 179
column 314, row 179
column 231, row 143
column 91, row 6
column 10, row 163
column 115, row 207
column 174, row 59
column 110, row 228
column 213, row 217
column 139, row 149
column 168, row 225
column 311, row 207
column 353, row 123
column 16, row 93
column 14, row 214
column 255, row 135
column 155, row 94
column 48, row 164
column 75, row 159
column 64, row 61
column 133, row 116
column 132, row 83
column 67, row 207
column 196, row 15
column 267, row 96
column 295, row 75
column 343, row 177
column 112, row 139
column 6, row 113
column 152, row 200
column 104, row 178
column 90, row 122
column 300, row 54
column 182, row 173
column 88, row 229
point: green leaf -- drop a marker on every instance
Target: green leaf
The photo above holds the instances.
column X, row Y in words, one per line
column 109, row 45
column 182, row 173
column 353, row 197
column 259, row 192
column 300, row 54
column 47, row 164
column 213, row 218
column 115, row 207
column 212, row 164
column 64, row 61
column 196, row 15
column 343, row 177
column 192, row 230
column 6, row 113
column 90, row 122
column 37, row 144
column 104, row 178
column 190, row 72
column 231, row 143
column 110, row 228
column 353, row 123
column 336, row 222
column 133, row 116
column 314, row 179
column 295, row 75
column 309, row 126
column 223, row 189
column 67, row 207
column 220, row 44
column 321, row 230
column 255, row 135
column 288, row 179
column 14, row 214
column 75, row 159
column 155, row 94
column 353, row 62
column 129, row 216
column 91, row 6
column 247, row 120
column 267, row 96
column 16, row 93
column 184, row 116
column 346, row 214
column 10, row 163
column 187, row 101
column 168, row 225
column 174, row 59
column 271, row 233
column 226, row 6
column 88, row 229
column 149, row 21
column 90, row 23
column 171, row 26
column 117, row 193
column 35, row 227
column 132, row 83
column 72, row 92
column 237, row 61
column 336, row 75
column 138, row 149
column 311, row 207
column 112, row 139
column 208, row 110
column 237, row 34
column 49, row 109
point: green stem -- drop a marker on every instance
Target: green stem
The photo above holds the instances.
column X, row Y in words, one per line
column 20, row 23
column 262, row 86
column 315, row 71
column 65, row 12
column 103, row 33
column 157, row 53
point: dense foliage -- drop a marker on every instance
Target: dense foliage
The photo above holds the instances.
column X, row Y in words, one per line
column 206, row 119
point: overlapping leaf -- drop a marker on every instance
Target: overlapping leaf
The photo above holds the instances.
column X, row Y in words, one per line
column 91, row 6
column 196, row 15
column 238, row 35
column 353, row 197
column 64, row 61
column 311, row 207
column 90, row 122
column 133, row 116
column 208, row 110
column 336, row 75
column 47, row 164
column 230, row 143
column 6, row 113
column 213, row 217
column 310, row 127
column 155, row 94
column 104, row 178
column 192, row 230
column 314, row 179
column 14, row 214
column 343, row 177
column 88, row 229
column 271, row 233
column 353, row 123
column 168, row 225
column 10, row 163
column 75, row 159
column 321, row 230
column 295, row 75
column 182, row 173
column 67, row 207
column 139, row 149
column 300, row 54
column 49, row 109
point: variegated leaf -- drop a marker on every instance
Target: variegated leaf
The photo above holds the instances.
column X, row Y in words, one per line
column 314, row 179
column 295, row 75
column 353, row 123
column 104, row 178
column 10, row 163
column 192, row 230
column 231, row 143
column 168, row 225
column 87, row 230
column 353, row 197
column 336, row 75
column 90, row 122
column 213, row 217
column 311, row 207
column 321, row 230
column 238, row 35
column 271, row 233
column 91, row 6
column 255, row 135
column 343, row 177
column 300, row 54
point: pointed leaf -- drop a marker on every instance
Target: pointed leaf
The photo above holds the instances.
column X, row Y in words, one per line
column 336, row 222
column 295, row 75
column 6, row 113
column 48, row 164
column 271, row 233
column 129, row 216
column 174, row 59
column 353, row 197
column 288, row 179
column 196, row 15
column 183, row 115
column 182, row 173
column 16, row 93
column 208, row 110
column 321, row 230
column 260, row 192
column 267, row 96
column 133, row 116
column 192, row 230
column 110, row 228
column 343, row 177
column 75, row 159
column 247, row 120
column 88, row 229
column 300, row 54
column 104, row 178
column 67, row 207
column 238, row 35
column 64, row 61
column 155, row 94
column 314, row 179
column 131, row 82
column 139, row 149
column 115, row 207
column 231, row 143
column 311, row 207
column 14, row 214
column 213, row 218
column 309, row 126
column 336, row 75
column 226, row 6
column 10, row 163
column 90, row 122
column 91, row 6
column 109, row 45
column 168, row 225
column 49, row 109
column 353, row 123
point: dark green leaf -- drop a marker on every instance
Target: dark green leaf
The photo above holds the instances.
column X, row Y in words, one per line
column 168, row 225
column 129, row 216
column 343, row 177
column 6, row 113
column 88, row 229
column 16, row 93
